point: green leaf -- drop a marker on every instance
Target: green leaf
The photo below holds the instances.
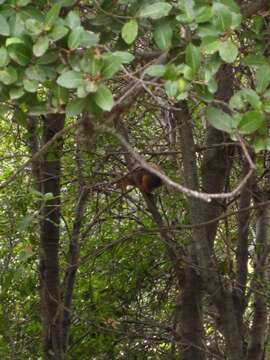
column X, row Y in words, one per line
column 182, row 85
column 231, row 5
column 182, row 96
column 8, row 76
column 49, row 57
column 4, row 27
column 16, row 25
column 211, row 67
column 40, row 109
column 35, row 72
column 208, row 31
column 258, row 24
column 262, row 78
column 80, row 37
column 251, row 121
column 163, row 33
column 189, row 8
column 129, row 31
column 252, row 98
column 240, row 98
column 41, row 46
column 52, row 16
column 228, row 51
column 76, row 107
column 222, row 18
column 236, row 101
column 155, row 11
column 112, row 64
column 73, row 20
column 104, row 98
column 254, row 60
column 91, row 65
column 212, row 85
column 203, row 93
column 220, row 120
column 4, row 57
column 23, row 3
column 30, row 85
column 74, row 61
column 186, row 71
column 19, row 53
column 82, row 92
column 171, row 88
column 13, row 40
column 75, row 38
column 236, row 20
column 70, row 79
column 126, row 57
column 91, row 86
column 266, row 105
column 31, row 11
column 261, row 143
column 172, row 72
column 23, row 225
column 210, row 45
column 89, row 39
column 58, row 32
column 156, row 70
column 33, row 27
column 16, row 93
column 184, row 19
column 193, row 57
column 60, row 94
column 203, row 14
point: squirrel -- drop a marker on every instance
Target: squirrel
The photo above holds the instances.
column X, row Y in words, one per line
column 141, row 178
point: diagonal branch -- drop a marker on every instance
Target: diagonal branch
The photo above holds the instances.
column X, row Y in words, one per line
column 189, row 192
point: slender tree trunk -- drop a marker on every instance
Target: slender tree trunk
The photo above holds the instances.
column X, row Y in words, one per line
column 73, row 256
column 242, row 256
column 33, row 143
column 259, row 324
column 49, row 240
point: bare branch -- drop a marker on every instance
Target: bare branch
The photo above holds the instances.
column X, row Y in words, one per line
column 189, row 192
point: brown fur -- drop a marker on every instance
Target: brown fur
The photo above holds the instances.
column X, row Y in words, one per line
column 141, row 178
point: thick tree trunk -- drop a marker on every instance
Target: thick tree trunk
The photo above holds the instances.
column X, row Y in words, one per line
column 220, row 295
column 189, row 321
column 215, row 169
column 217, row 160
column 49, row 240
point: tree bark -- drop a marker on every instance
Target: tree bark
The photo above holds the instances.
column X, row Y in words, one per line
column 33, row 144
column 49, row 240
column 220, row 295
column 242, row 256
column 261, row 278
column 73, row 256
column 189, row 324
column 217, row 161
